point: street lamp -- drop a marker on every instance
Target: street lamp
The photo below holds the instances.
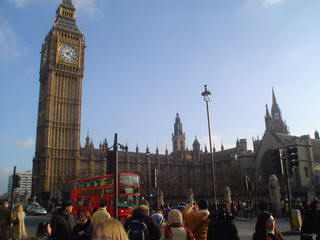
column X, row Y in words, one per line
column 206, row 97
column 149, row 174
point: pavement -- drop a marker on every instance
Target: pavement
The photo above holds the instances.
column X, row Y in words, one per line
column 245, row 226
column 32, row 222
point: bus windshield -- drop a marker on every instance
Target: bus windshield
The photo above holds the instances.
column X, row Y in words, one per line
column 128, row 202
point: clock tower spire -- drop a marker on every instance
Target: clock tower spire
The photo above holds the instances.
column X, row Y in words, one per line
column 57, row 153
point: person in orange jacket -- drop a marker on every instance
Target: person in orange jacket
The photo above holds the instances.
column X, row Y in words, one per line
column 197, row 219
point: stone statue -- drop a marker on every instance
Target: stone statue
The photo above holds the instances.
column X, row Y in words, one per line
column 274, row 193
column 227, row 195
column 190, row 196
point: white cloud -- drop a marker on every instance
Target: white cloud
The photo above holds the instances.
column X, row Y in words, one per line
column 21, row 3
column 9, row 44
column 3, row 139
column 26, row 143
column 92, row 8
column 5, row 172
column 271, row 3
column 250, row 4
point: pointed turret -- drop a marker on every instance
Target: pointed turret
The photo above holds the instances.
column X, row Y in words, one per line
column 66, row 17
column 316, row 135
column 167, row 150
column 87, row 140
column 275, row 110
column 68, row 4
column 267, row 113
column 273, row 120
column 196, row 145
column 274, row 100
column 137, row 148
column 205, row 149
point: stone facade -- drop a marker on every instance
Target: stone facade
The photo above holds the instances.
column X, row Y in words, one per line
column 59, row 158
column 277, row 136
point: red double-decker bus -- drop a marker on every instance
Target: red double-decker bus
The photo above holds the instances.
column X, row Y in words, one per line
column 87, row 193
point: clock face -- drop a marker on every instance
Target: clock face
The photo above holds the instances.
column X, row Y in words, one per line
column 68, row 53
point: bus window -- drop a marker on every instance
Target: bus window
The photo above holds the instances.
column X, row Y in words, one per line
column 87, row 202
column 129, row 190
column 129, row 180
column 79, row 202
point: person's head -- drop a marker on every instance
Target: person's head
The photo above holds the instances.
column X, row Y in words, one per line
column 102, row 204
column 109, row 230
column 203, row 204
column 67, row 208
column 175, row 216
column 141, row 210
column 84, row 216
column 5, row 204
column 18, row 208
column 157, row 218
column 265, row 223
column 159, row 210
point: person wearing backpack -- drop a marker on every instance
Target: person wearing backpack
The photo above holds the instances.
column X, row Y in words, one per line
column 141, row 226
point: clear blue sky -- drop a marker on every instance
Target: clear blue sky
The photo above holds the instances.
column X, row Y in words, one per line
column 148, row 59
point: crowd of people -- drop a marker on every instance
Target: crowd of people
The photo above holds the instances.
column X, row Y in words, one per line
column 194, row 222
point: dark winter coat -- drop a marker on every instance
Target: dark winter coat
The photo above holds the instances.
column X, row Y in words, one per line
column 82, row 231
column 61, row 227
column 311, row 223
column 222, row 226
column 154, row 232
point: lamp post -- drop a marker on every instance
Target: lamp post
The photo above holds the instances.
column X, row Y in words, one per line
column 149, row 174
column 206, row 97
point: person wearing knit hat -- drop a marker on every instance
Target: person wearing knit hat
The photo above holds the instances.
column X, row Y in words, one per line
column 197, row 219
column 140, row 223
column 175, row 229
column 101, row 215
column 158, row 219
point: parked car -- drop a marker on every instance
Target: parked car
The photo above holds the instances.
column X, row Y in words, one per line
column 36, row 210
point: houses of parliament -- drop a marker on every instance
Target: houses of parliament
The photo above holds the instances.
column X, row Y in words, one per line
column 60, row 158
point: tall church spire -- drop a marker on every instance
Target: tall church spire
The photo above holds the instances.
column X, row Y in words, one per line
column 273, row 121
column 274, row 100
column 275, row 110
column 178, row 137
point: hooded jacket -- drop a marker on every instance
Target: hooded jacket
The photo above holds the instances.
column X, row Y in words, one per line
column 197, row 221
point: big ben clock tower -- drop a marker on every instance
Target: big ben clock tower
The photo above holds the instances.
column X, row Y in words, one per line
column 56, row 160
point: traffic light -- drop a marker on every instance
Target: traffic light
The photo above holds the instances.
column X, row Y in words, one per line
column 293, row 157
column 277, row 162
column 110, row 162
column 16, row 181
